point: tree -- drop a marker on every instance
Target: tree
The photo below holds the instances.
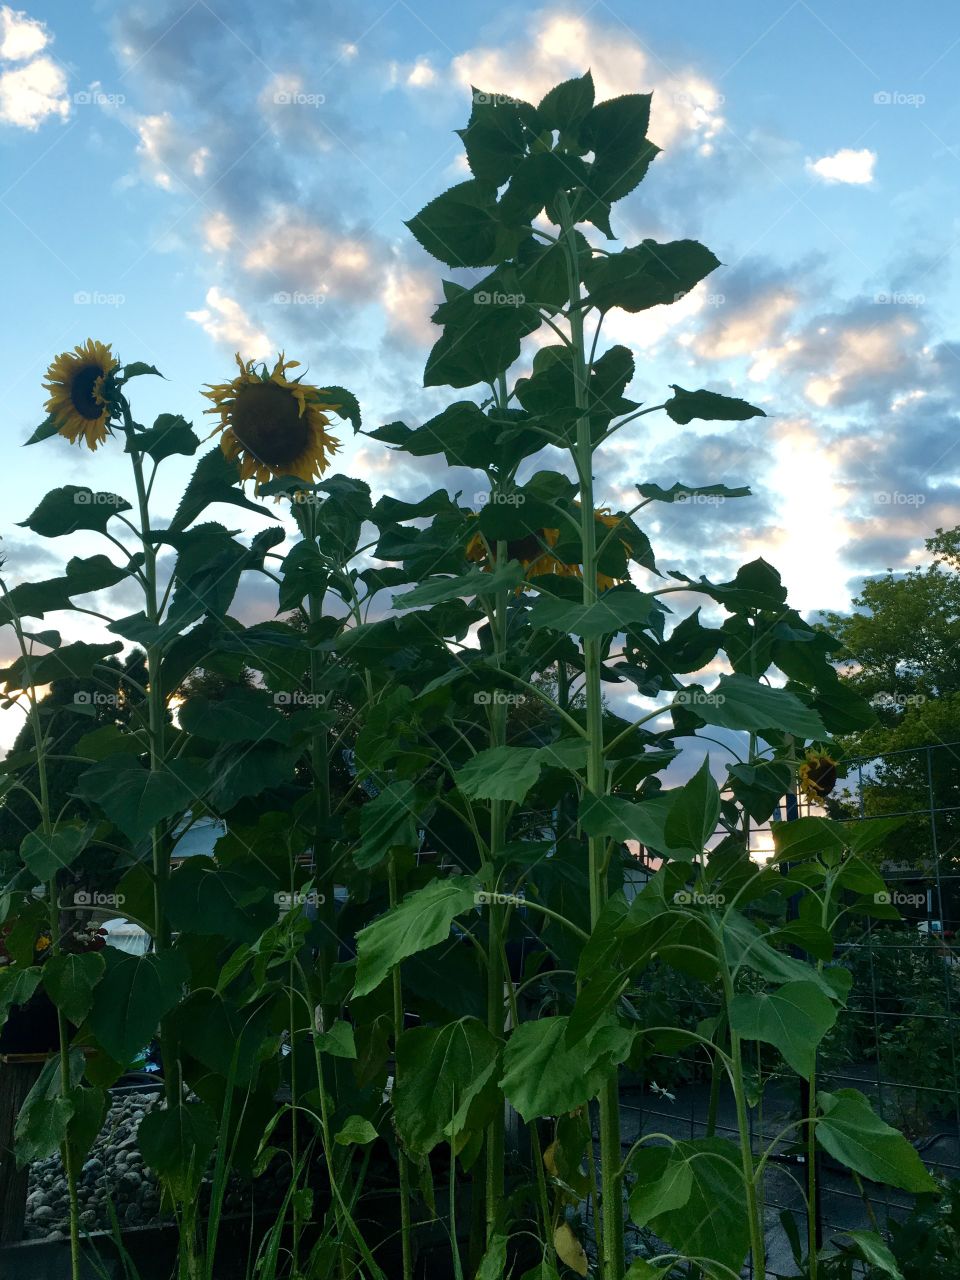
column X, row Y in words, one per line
column 901, row 653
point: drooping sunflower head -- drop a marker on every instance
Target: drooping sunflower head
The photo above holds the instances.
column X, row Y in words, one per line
column 817, row 775
column 77, row 403
column 536, row 556
column 273, row 425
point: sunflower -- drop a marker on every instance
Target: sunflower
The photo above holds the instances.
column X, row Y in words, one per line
column 273, row 426
column 75, row 381
column 817, row 775
column 536, row 557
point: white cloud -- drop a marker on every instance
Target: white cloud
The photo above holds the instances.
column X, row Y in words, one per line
column 225, row 320
column 20, row 36
column 852, row 167
column 169, row 153
column 218, row 232
column 560, row 44
column 301, row 255
column 29, row 94
column 422, row 74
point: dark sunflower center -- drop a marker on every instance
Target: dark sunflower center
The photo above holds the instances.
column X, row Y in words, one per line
column 81, row 392
column 266, row 420
column 528, row 548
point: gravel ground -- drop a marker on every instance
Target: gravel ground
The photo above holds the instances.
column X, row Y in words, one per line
column 114, row 1172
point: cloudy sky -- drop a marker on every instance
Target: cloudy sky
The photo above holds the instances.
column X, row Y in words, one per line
column 189, row 179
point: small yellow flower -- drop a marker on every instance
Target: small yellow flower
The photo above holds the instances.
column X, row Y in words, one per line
column 817, row 775
column 273, row 426
column 43, row 942
column 75, row 381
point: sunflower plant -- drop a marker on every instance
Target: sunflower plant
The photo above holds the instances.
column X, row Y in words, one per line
column 411, row 978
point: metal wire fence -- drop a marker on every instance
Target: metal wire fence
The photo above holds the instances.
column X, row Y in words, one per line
column 898, row 1038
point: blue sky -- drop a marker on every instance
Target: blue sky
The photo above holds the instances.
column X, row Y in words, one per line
column 174, row 172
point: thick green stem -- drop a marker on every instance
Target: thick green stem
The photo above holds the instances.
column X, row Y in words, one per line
column 156, row 726
column 63, row 1037
column 406, row 1221
column 611, row 1202
column 495, row 968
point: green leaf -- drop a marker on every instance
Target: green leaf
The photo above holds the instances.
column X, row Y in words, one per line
column 619, row 609
column 459, row 227
column 72, row 508
column 567, row 105
column 241, row 715
column 494, row 1260
column 170, row 434
column 441, row 1072
column 75, row 661
column 177, row 1143
column 738, row 702
column 70, row 981
column 851, row 1131
column 41, row 1126
column 615, row 130
column 687, row 492
column 745, row 945
column 694, row 813
column 130, row 999
column 691, row 1195
column 474, row 582
column 794, row 1018
column 209, row 900
column 625, row 820
column 647, row 275
column 355, row 1132
column 543, row 1076
column 500, row 773
column 389, row 821
column 136, row 369
column 17, row 985
column 49, row 427
column 216, row 479
column 493, row 138
column 136, row 799
column 338, row 1041
column 684, row 406
column 808, row 837
column 45, row 855
column 420, row 920
column 871, row 1248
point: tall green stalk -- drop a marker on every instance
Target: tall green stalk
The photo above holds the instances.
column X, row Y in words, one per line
column 156, row 733
column 611, row 1238
column 63, row 1038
